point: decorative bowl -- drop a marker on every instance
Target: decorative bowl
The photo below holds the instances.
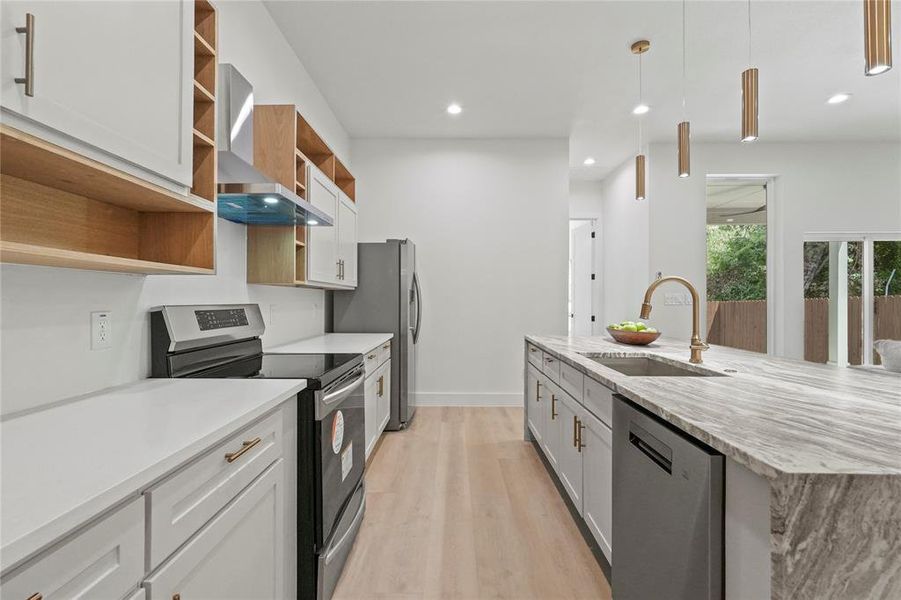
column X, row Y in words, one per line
column 635, row 338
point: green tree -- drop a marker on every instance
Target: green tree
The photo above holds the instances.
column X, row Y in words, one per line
column 736, row 262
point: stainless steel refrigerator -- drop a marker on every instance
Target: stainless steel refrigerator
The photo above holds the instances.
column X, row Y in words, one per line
column 387, row 299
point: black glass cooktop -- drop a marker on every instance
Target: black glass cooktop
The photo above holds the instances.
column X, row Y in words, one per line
column 318, row 369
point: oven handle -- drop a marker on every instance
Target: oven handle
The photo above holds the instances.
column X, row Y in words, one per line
column 350, row 529
column 344, row 391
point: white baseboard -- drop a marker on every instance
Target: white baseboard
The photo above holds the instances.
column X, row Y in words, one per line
column 467, row 399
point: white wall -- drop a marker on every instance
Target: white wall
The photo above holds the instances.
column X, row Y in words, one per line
column 625, row 246
column 45, row 312
column 838, row 187
column 490, row 223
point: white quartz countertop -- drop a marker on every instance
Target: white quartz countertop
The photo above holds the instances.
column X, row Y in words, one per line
column 333, row 343
column 775, row 416
column 68, row 463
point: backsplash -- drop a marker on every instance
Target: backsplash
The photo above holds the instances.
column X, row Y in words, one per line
column 46, row 316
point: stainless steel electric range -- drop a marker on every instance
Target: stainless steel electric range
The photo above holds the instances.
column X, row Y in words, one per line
column 223, row 341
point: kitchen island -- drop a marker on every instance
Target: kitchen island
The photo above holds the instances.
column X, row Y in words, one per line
column 817, row 447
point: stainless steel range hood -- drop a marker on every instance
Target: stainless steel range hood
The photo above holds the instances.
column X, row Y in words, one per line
column 246, row 195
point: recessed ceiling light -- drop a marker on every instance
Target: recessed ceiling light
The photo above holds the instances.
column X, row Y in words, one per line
column 454, row 109
column 641, row 109
column 839, row 98
column 588, row 161
column 270, row 200
column 312, row 222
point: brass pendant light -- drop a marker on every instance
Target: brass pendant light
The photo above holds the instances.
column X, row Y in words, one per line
column 877, row 36
column 639, row 48
column 749, row 106
column 684, row 128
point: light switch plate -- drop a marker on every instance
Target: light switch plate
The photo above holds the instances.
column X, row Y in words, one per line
column 101, row 330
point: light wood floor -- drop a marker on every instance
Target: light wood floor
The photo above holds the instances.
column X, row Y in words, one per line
column 459, row 506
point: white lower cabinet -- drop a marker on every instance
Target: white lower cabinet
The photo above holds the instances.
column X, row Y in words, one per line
column 104, row 560
column 377, row 400
column 569, row 457
column 597, row 481
column 576, row 443
column 239, row 554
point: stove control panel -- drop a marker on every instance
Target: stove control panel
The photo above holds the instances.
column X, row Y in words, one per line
column 220, row 318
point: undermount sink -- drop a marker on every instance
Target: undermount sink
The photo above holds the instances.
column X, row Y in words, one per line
column 644, row 366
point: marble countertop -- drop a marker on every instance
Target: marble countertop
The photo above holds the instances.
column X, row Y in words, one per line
column 66, row 464
column 775, row 416
column 334, row 343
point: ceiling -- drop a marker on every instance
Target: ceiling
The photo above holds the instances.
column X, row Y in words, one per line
column 563, row 69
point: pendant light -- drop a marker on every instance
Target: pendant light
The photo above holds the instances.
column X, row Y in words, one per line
column 683, row 129
column 749, row 105
column 877, row 36
column 639, row 48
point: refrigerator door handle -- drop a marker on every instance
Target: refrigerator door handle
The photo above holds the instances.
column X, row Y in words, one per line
column 418, row 307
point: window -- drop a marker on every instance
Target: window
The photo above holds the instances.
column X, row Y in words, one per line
column 851, row 297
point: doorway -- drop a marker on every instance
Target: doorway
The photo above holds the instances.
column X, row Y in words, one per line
column 738, row 309
column 581, row 277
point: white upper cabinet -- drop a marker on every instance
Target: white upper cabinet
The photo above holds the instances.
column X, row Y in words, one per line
column 331, row 251
column 347, row 241
column 322, row 242
column 111, row 80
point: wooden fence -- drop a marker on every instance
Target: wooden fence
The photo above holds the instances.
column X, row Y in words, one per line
column 742, row 324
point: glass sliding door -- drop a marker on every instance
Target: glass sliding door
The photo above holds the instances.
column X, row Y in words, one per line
column 886, row 292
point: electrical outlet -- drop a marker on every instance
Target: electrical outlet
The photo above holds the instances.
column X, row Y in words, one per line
column 101, row 330
column 672, row 299
column 686, row 299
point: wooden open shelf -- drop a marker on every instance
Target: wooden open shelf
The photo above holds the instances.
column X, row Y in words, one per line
column 345, row 180
column 205, row 72
column 14, row 252
column 313, row 147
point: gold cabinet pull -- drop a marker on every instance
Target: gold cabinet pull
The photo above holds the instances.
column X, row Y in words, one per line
column 381, row 385
column 553, row 406
column 176, row 596
column 386, row 346
column 371, row 356
column 579, row 428
column 39, row 596
column 537, row 391
column 233, row 456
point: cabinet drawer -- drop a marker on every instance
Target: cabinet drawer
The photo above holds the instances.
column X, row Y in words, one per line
column 371, row 361
column 384, row 352
column 536, row 356
column 598, row 399
column 105, row 560
column 181, row 504
column 571, row 381
column 551, row 368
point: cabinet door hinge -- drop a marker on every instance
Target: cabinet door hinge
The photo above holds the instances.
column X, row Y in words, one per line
column 592, row 276
column 592, row 318
column 592, row 235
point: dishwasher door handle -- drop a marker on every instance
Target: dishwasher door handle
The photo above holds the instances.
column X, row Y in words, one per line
column 648, row 450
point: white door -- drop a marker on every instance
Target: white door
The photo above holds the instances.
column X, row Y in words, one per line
column 384, row 396
column 347, row 241
column 581, row 266
column 597, row 479
column 112, row 76
column 570, row 455
column 322, row 242
column 239, row 554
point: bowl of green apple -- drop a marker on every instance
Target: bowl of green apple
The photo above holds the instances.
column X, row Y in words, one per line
column 635, row 333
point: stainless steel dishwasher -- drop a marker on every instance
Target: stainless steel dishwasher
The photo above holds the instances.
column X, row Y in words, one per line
column 667, row 510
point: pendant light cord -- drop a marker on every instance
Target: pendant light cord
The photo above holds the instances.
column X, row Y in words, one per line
column 639, row 102
column 683, row 60
column 749, row 34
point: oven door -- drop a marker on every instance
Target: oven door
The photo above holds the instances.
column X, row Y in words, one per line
column 341, row 444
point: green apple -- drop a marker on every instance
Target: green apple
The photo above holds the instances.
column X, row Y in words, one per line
column 650, row 330
column 630, row 328
column 641, row 326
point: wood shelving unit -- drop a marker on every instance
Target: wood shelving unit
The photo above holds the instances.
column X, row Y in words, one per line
column 284, row 147
column 62, row 209
column 345, row 181
column 204, row 134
